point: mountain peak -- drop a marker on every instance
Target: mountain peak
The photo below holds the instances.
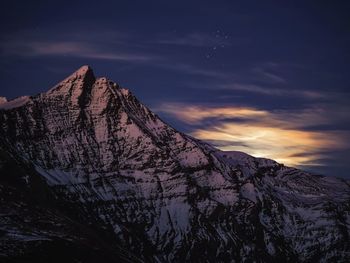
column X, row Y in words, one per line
column 78, row 81
column 84, row 72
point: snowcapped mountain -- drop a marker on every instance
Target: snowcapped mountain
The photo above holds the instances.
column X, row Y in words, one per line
column 86, row 169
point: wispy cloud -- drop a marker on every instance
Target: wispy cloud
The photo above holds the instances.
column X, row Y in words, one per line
column 268, row 76
column 110, row 45
column 195, row 114
column 281, row 135
column 91, row 51
column 192, row 70
column 70, row 48
column 224, row 83
column 195, row 40
column 265, row 90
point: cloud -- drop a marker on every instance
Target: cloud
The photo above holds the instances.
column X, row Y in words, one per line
column 280, row 144
column 70, row 48
column 266, row 75
column 195, row 40
column 90, row 50
column 191, row 69
column 106, row 45
column 193, row 113
column 280, row 135
column 262, row 89
column 300, row 119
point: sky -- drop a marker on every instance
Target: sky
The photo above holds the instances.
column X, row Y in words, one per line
column 270, row 78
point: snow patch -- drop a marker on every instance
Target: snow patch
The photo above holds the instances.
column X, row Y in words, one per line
column 15, row 103
column 248, row 192
column 3, row 100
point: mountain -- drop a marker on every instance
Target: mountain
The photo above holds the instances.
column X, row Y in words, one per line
column 87, row 172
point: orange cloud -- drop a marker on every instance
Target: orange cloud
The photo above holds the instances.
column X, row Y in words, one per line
column 198, row 113
column 277, row 135
column 275, row 143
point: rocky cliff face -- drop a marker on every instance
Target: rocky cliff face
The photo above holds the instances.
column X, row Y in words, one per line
column 113, row 165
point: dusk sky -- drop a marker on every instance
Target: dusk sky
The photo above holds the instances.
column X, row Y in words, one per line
column 270, row 78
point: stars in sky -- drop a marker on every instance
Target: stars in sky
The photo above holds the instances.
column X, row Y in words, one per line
column 221, row 41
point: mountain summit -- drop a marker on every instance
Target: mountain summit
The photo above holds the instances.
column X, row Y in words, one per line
column 90, row 173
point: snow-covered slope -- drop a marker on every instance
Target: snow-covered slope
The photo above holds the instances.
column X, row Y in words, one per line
column 165, row 196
